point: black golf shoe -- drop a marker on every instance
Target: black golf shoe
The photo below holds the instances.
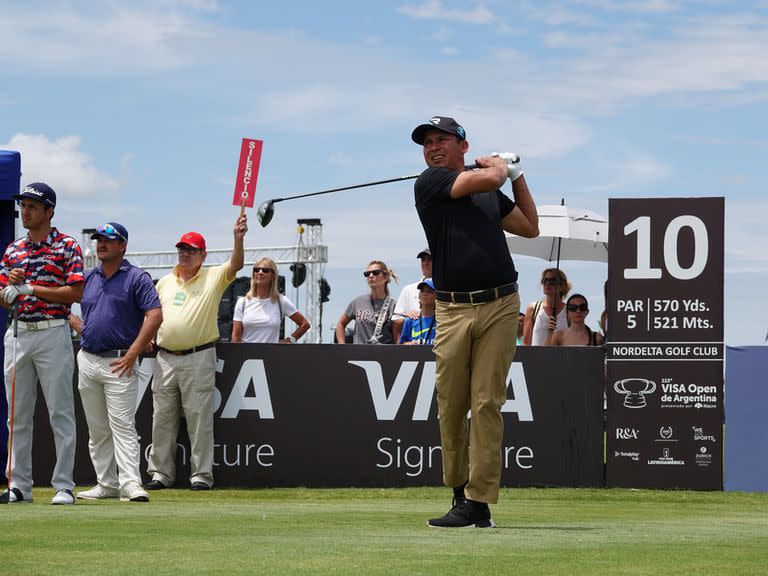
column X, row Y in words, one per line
column 13, row 497
column 465, row 514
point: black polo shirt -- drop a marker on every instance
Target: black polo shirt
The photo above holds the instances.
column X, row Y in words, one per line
column 469, row 249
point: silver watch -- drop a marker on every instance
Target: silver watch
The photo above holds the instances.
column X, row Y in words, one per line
column 292, row 339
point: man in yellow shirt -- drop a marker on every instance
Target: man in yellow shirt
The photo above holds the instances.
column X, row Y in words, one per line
column 185, row 366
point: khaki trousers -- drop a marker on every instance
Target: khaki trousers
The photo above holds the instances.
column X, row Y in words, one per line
column 183, row 383
column 109, row 403
column 474, row 349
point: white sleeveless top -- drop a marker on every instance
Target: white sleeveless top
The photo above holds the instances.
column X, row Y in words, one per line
column 539, row 336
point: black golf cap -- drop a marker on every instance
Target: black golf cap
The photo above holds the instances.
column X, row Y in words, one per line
column 443, row 123
column 38, row 191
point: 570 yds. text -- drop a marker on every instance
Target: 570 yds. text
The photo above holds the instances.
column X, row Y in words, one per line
column 665, row 314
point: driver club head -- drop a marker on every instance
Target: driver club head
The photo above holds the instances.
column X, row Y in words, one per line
column 265, row 212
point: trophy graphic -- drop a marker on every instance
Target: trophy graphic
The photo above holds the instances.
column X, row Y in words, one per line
column 634, row 390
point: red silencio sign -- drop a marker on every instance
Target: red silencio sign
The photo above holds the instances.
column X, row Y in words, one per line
column 247, row 173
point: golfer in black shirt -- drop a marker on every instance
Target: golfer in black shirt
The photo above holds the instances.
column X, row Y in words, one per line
column 464, row 215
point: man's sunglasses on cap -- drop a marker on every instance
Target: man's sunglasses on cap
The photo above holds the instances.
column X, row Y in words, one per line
column 110, row 232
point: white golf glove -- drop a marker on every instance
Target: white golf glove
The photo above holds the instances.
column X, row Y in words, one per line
column 513, row 164
column 13, row 291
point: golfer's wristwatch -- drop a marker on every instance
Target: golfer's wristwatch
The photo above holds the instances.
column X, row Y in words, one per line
column 292, row 339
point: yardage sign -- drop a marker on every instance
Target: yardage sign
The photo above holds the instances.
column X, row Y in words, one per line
column 665, row 351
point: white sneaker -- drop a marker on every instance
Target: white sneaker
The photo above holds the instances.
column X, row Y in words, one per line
column 135, row 494
column 63, row 497
column 15, row 496
column 99, row 492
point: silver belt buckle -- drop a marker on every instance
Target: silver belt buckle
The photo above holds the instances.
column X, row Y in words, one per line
column 472, row 297
column 33, row 325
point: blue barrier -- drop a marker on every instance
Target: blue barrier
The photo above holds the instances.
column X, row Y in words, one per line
column 10, row 178
column 746, row 436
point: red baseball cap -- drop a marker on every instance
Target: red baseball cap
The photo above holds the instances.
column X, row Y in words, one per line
column 194, row 239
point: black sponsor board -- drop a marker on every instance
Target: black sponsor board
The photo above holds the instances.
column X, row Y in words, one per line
column 665, row 350
column 330, row 415
column 665, row 425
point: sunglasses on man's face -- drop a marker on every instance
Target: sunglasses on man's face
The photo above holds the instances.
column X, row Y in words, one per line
column 261, row 269
column 578, row 307
column 550, row 281
column 369, row 272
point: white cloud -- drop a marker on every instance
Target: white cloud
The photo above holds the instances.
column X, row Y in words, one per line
column 622, row 175
column 443, row 34
column 746, row 235
column 434, row 10
column 199, row 5
column 117, row 41
column 61, row 164
column 504, row 128
column 636, row 6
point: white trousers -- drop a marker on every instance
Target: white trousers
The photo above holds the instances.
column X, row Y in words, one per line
column 183, row 384
column 45, row 355
column 109, row 403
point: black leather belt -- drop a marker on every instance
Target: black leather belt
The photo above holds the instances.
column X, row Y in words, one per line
column 109, row 353
column 188, row 350
column 477, row 296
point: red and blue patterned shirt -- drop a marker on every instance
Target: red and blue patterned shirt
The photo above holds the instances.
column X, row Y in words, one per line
column 56, row 261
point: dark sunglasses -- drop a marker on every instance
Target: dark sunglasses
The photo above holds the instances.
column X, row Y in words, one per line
column 261, row 269
column 369, row 272
column 188, row 250
column 550, row 281
column 577, row 307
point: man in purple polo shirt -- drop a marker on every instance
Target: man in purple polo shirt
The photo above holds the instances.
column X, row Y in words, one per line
column 121, row 314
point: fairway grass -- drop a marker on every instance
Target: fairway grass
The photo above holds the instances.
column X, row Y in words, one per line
column 572, row 532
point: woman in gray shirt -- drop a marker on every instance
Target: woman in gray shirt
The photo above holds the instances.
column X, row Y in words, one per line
column 372, row 312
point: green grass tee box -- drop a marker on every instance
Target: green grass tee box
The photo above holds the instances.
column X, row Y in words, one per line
column 572, row 532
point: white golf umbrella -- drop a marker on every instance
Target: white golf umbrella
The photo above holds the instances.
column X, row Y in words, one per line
column 565, row 233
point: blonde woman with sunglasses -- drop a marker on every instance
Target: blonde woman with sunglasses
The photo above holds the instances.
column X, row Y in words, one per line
column 372, row 312
column 259, row 314
column 545, row 316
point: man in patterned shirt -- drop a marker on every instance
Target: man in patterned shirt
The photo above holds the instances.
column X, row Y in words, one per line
column 43, row 273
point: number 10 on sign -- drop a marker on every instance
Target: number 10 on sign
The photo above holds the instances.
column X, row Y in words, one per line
column 642, row 227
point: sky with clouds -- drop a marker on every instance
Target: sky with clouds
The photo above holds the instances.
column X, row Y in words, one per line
column 134, row 111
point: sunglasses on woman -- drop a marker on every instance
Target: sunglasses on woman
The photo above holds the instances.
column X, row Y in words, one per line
column 550, row 281
column 369, row 272
column 260, row 269
column 578, row 307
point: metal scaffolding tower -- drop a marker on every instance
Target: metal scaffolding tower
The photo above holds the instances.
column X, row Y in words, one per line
column 309, row 251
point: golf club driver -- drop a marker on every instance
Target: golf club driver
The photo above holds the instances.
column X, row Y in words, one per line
column 266, row 210
column 4, row 498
